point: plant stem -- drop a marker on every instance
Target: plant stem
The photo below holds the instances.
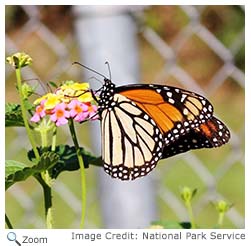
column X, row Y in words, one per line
column 190, row 213
column 47, row 201
column 45, row 181
column 44, row 141
column 82, row 171
column 8, row 222
column 48, row 205
column 54, row 138
column 48, row 183
column 26, row 124
column 220, row 219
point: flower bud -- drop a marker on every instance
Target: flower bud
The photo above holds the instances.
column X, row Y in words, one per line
column 222, row 206
column 19, row 60
column 187, row 194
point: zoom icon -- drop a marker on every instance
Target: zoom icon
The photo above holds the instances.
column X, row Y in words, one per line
column 11, row 236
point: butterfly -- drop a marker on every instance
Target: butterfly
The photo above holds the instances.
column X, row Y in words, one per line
column 143, row 123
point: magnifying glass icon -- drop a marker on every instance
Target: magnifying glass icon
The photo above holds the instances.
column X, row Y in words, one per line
column 11, row 236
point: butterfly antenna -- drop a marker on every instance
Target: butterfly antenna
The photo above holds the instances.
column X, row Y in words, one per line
column 109, row 70
column 90, row 69
column 94, row 78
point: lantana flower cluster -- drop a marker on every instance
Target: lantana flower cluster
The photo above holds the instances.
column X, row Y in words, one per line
column 71, row 100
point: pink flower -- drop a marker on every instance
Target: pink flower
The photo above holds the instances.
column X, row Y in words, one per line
column 93, row 114
column 60, row 114
column 40, row 113
column 78, row 110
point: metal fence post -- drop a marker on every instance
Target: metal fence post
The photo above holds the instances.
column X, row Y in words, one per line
column 108, row 33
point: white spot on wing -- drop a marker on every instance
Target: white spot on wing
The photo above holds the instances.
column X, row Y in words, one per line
column 169, row 94
column 171, row 100
column 183, row 97
column 185, row 111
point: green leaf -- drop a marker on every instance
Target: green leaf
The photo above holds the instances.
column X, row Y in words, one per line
column 194, row 192
column 17, row 171
column 68, row 160
column 13, row 115
column 27, row 90
column 28, row 105
column 53, row 84
column 186, row 225
column 47, row 160
column 171, row 224
column 12, row 166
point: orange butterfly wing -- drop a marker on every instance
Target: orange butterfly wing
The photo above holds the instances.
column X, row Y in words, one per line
column 185, row 118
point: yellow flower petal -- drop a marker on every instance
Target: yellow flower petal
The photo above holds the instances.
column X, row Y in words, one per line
column 80, row 86
column 52, row 101
column 64, row 87
column 86, row 97
column 40, row 99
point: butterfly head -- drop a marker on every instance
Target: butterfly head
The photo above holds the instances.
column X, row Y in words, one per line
column 106, row 94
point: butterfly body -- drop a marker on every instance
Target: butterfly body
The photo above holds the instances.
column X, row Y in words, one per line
column 141, row 124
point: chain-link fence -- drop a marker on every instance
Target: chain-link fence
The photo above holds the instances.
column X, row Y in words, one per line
column 200, row 48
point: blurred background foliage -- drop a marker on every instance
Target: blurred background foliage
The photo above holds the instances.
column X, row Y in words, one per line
column 195, row 56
